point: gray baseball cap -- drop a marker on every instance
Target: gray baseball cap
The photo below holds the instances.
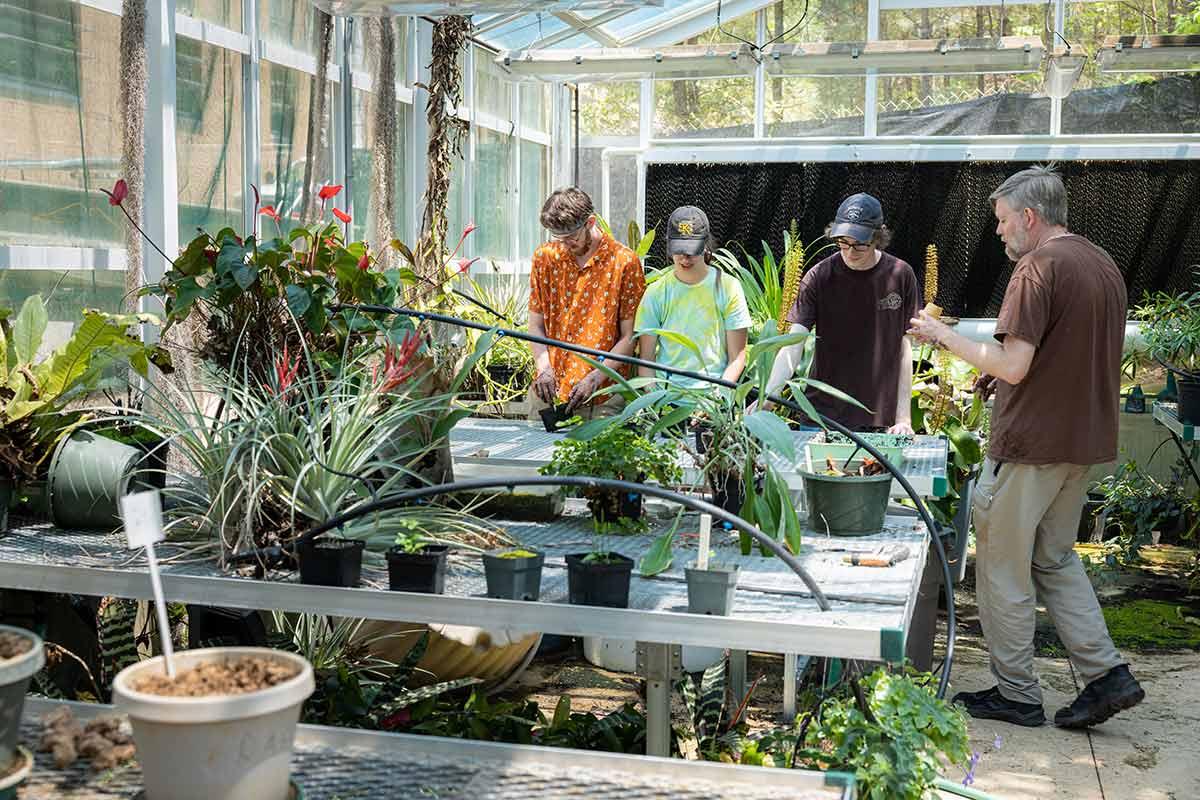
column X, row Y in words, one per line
column 687, row 231
column 859, row 217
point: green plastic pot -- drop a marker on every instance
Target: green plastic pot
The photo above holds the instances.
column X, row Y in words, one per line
column 88, row 476
column 846, row 505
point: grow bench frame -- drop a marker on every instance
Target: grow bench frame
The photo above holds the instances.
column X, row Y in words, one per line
column 870, row 616
column 331, row 762
column 1167, row 415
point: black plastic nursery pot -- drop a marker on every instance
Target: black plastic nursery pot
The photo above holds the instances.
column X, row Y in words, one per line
column 512, row 575
column 599, row 583
column 1189, row 398
column 501, row 374
column 423, row 571
column 711, row 591
column 553, row 416
column 15, row 675
column 611, row 505
column 330, row 561
column 846, row 505
column 89, row 474
column 729, row 492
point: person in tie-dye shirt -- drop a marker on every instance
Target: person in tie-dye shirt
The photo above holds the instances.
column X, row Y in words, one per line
column 584, row 288
column 697, row 301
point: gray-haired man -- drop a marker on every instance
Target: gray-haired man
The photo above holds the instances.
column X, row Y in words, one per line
column 1061, row 329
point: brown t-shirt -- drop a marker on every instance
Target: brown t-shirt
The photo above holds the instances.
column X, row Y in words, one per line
column 860, row 317
column 1068, row 299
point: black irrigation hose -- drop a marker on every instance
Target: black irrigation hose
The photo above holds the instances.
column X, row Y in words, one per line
column 922, row 510
column 402, row 498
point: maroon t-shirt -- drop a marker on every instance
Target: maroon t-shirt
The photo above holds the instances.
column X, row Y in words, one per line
column 860, row 317
column 1068, row 299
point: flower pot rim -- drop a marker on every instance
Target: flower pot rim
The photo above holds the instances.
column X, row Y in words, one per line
column 342, row 542
column 27, row 664
column 715, row 568
column 621, row 558
column 806, row 475
column 429, row 550
column 498, row 554
column 212, row 708
column 18, row 775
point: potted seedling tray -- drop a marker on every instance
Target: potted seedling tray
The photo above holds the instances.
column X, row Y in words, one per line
column 514, row 574
column 834, row 445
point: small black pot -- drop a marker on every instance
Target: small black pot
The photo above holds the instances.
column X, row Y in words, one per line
column 329, row 561
column 1087, row 519
column 729, row 492
column 599, row 584
column 1189, row 399
column 610, row 505
column 423, row 571
column 501, row 374
column 513, row 578
column 553, row 416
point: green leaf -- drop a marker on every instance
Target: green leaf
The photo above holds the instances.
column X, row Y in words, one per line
column 645, row 244
column 298, row 300
column 676, row 337
column 562, row 712
column 245, row 275
column 446, row 422
column 772, row 432
column 670, row 420
column 28, row 329
column 193, row 261
column 658, row 557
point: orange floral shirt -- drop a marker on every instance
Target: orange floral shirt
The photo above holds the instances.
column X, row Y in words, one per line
column 584, row 305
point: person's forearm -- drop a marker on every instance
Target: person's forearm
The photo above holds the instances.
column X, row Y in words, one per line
column 904, row 389
column 733, row 370
column 784, row 366
column 647, row 346
column 988, row 357
column 624, row 346
column 541, row 353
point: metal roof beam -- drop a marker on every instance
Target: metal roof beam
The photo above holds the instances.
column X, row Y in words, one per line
column 589, row 27
column 496, row 21
column 676, row 28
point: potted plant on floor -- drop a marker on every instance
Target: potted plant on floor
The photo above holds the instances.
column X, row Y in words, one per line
column 621, row 453
column 599, row 577
column 21, row 656
column 231, row 710
column 1170, row 326
column 514, row 573
column 416, row 564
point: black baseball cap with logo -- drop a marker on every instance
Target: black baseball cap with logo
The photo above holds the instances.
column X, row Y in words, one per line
column 858, row 217
column 687, row 231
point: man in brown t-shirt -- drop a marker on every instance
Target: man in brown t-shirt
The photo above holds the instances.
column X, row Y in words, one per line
column 1057, row 368
column 859, row 301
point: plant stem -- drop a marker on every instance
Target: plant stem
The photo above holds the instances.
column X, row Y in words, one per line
column 138, row 228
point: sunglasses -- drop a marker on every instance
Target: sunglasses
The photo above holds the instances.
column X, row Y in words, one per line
column 849, row 244
column 569, row 235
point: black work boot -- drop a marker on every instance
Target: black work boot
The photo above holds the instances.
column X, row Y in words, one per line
column 1116, row 690
column 990, row 704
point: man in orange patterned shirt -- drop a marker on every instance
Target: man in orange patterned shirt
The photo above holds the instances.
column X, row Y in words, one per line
column 584, row 288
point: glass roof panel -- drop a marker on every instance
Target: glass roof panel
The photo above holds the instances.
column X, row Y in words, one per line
column 524, row 32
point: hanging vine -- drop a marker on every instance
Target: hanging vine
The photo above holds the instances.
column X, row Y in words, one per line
column 383, row 150
column 317, row 144
column 132, row 101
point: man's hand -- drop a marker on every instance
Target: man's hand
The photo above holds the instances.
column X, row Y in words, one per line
column 985, row 385
column 903, row 427
column 927, row 329
column 581, row 391
column 545, row 386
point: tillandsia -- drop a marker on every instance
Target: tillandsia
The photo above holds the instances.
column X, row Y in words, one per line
column 793, row 269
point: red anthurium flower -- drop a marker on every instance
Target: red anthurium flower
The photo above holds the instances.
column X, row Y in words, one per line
column 467, row 231
column 397, row 366
column 464, row 264
column 364, row 263
column 342, row 215
column 329, row 192
column 270, row 212
column 119, row 191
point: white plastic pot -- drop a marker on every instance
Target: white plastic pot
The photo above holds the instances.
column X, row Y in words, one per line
column 15, row 674
column 620, row 655
column 223, row 747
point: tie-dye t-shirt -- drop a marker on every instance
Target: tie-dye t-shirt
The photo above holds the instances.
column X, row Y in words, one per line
column 702, row 312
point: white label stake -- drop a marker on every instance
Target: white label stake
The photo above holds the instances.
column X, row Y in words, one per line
column 142, row 514
column 705, row 536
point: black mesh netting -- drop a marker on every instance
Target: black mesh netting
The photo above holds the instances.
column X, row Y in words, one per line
column 1141, row 212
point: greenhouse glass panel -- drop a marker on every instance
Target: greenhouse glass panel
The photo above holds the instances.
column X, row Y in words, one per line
column 818, row 20
column 961, row 105
column 609, row 108
column 286, row 99
column 226, row 13
column 493, row 94
column 535, row 107
column 622, row 204
column 289, row 23
column 208, row 138
column 718, row 108
column 360, row 52
column 363, row 226
column 65, row 291
column 61, row 140
column 965, row 22
column 535, row 188
column 493, row 177
column 815, row 106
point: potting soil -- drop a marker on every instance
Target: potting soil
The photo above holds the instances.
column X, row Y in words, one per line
column 238, row 676
column 13, row 645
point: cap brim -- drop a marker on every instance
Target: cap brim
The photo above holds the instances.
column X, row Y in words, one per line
column 685, row 247
column 861, row 233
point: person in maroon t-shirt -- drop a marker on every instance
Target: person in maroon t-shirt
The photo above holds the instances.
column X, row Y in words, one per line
column 859, row 301
column 1057, row 363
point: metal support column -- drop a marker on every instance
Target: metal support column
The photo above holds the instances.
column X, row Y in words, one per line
column 659, row 664
column 160, row 206
column 251, row 120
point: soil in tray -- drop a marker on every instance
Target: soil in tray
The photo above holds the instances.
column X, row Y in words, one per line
column 239, row 676
column 13, row 645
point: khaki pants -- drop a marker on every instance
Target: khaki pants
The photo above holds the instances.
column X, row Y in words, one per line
column 610, row 406
column 1026, row 521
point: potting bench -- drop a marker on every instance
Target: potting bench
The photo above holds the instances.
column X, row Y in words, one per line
column 341, row 762
column 773, row 612
column 520, row 447
column 1167, row 415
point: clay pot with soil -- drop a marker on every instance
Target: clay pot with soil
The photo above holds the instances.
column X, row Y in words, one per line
column 21, row 656
column 222, row 729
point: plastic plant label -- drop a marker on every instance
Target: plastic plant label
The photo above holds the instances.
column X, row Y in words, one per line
column 142, row 514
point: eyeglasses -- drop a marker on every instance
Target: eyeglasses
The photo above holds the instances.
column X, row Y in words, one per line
column 848, row 244
column 570, row 235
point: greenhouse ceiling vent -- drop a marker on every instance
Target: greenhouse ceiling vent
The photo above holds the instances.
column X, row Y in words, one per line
column 1010, row 54
column 444, row 8
column 1150, row 54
